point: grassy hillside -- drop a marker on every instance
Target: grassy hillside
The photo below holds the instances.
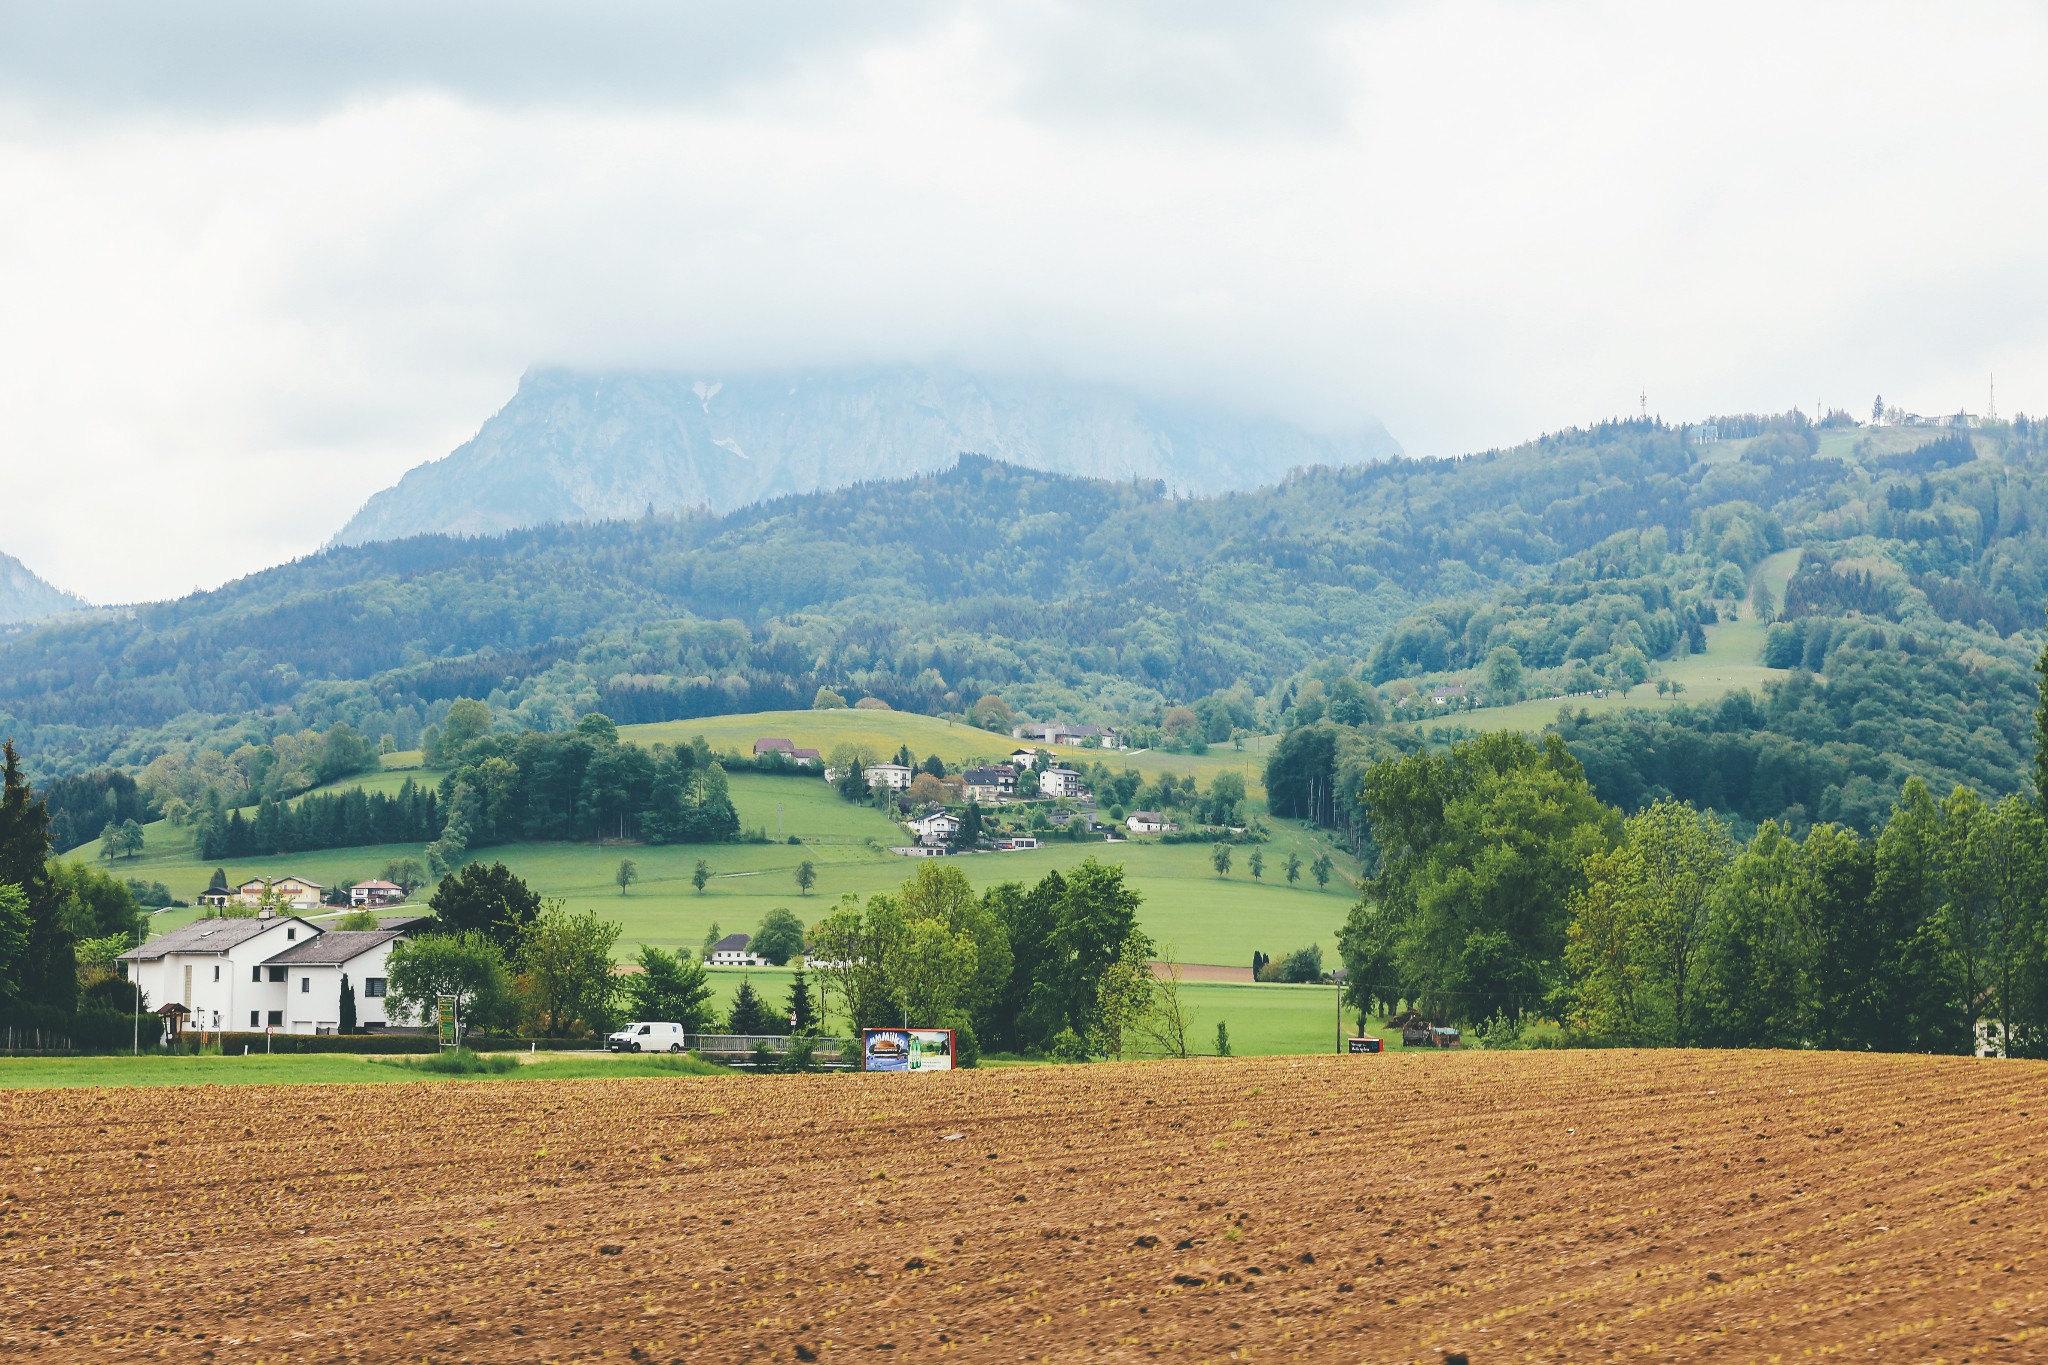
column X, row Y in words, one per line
column 956, row 743
column 1208, row 919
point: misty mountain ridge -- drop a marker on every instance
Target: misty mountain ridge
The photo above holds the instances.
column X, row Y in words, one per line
column 26, row 597
column 595, row 446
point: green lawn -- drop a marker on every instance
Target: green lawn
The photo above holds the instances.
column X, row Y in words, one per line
column 1205, row 918
column 957, row 744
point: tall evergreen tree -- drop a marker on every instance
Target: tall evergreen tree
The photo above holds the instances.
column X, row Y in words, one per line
column 47, row 973
column 803, row 1012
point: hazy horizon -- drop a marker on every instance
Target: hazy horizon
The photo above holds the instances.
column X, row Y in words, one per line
column 262, row 261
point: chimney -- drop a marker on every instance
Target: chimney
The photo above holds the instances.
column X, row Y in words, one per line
column 265, row 913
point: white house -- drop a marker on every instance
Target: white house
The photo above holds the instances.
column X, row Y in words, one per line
column 1148, row 822
column 1020, row 759
column 220, row 969
column 314, row 970
column 937, row 829
column 731, row 951
column 894, row 776
column 376, row 893
column 1060, row 782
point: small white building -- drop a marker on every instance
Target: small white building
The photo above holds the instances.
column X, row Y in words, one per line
column 1021, row 759
column 894, row 776
column 375, row 893
column 1148, row 822
column 1061, row 782
column 937, row 829
column 731, row 951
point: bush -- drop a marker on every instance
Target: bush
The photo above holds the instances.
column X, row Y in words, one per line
column 1067, row 1046
column 966, row 1047
column 1303, row 966
column 802, row 1055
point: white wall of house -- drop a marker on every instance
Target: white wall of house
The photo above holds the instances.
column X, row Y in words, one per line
column 312, row 993
column 894, row 776
column 1060, row 782
column 221, row 988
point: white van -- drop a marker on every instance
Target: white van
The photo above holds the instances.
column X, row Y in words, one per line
column 647, row 1037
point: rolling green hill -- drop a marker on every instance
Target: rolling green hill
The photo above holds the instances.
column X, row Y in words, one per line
column 1205, row 918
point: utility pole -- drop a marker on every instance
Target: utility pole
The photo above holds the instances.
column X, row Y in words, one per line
column 135, row 973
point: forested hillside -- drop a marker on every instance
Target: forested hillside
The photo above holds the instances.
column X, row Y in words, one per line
column 1341, row 602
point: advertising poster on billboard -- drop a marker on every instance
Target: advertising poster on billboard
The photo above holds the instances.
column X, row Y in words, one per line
column 907, row 1049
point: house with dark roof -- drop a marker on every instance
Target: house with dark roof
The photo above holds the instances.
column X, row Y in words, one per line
column 315, row 969
column 990, row 784
column 266, row 971
column 731, row 951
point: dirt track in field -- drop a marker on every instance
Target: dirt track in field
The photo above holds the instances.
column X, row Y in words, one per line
column 1566, row 1207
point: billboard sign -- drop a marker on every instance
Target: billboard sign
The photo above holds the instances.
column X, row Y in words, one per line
column 450, row 1024
column 907, row 1049
column 1358, row 1045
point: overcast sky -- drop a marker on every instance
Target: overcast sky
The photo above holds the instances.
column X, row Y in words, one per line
column 257, row 260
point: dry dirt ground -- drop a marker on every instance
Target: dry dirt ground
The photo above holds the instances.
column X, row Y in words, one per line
column 1567, row 1206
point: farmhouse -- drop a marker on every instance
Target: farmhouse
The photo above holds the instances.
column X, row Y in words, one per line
column 803, row 758
column 731, row 951
column 988, row 785
column 894, row 776
column 1060, row 782
column 376, row 893
column 296, row 892
column 1020, row 759
column 265, row 972
column 1148, row 822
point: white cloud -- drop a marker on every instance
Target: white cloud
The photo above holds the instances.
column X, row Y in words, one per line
column 236, row 308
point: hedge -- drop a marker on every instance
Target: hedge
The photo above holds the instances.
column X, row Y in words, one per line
column 382, row 1044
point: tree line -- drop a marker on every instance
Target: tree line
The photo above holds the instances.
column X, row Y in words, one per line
column 1507, row 891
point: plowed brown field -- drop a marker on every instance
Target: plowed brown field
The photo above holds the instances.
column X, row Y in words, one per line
column 1569, row 1206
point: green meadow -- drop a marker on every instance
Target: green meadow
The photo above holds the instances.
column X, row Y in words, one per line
column 1203, row 917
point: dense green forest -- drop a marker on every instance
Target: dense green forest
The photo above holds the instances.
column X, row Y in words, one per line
column 1508, row 891
column 1353, row 600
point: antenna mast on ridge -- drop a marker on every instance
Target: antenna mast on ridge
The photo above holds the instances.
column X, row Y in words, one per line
column 1991, row 404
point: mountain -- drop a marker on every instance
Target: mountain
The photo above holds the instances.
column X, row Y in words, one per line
column 573, row 446
column 1588, row 560
column 25, row 597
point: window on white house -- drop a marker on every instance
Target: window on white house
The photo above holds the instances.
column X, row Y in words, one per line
column 373, row 986
column 255, row 974
column 290, row 934
column 253, row 1017
column 305, row 985
column 277, row 973
column 277, row 1018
